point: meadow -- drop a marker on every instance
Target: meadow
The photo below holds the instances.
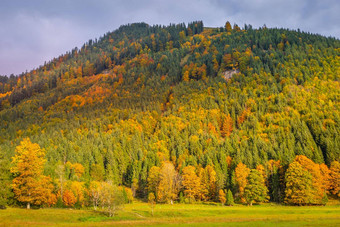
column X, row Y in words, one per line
column 139, row 214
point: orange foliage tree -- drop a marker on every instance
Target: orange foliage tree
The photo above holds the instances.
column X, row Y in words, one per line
column 69, row 198
column 319, row 181
column 306, row 182
column 227, row 126
column 30, row 186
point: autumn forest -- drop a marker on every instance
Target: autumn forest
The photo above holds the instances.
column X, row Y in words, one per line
column 175, row 114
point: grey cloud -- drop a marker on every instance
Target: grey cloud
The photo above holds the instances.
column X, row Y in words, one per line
column 37, row 30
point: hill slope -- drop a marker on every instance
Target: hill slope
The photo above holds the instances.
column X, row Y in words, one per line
column 145, row 94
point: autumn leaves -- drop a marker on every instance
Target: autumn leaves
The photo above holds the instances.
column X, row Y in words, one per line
column 30, row 186
column 303, row 181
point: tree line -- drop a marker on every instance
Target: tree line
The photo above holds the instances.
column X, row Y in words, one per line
column 302, row 182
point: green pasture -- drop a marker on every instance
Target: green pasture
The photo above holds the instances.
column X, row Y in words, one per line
column 139, row 214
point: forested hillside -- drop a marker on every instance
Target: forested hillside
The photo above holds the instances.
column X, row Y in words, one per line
column 183, row 112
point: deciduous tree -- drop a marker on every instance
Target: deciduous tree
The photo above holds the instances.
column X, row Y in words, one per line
column 152, row 201
column 299, row 185
column 191, row 183
column 221, row 197
column 30, row 186
column 228, row 26
column 169, row 183
column 153, row 179
column 241, row 173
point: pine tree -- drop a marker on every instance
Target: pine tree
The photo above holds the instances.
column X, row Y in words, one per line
column 208, row 182
column 230, row 198
column 255, row 190
column 241, row 173
column 335, row 178
column 5, row 191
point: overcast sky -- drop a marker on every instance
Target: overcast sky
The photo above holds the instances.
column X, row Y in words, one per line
column 35, row 31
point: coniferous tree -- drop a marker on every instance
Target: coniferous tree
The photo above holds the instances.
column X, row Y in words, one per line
column 255, row 190
column 335, row 178
column 230, row 198
column 5, row 182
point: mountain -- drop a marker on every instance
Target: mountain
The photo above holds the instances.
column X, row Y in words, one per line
column 187, row 94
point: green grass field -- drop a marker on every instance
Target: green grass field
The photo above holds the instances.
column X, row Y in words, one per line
column 139, row 214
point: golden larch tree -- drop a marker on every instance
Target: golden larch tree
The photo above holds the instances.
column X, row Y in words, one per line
column 227, row 126
column 241, row 173
column 191, row 183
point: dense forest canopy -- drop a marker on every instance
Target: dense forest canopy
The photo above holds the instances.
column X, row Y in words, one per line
column 194, row 101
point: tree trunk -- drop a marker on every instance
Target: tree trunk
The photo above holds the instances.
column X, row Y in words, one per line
column 28, row 206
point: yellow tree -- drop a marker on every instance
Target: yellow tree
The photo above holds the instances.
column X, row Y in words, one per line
column 191, row 183
column 227, row 126
column 241, row 173
column 151, row 201
column 299, row 185
column 319, row 186
column 153, row 179
column 30, row 186
column 78, row 190
column 228, row 26
column 78, row 170
column 221, row 196
column 169, row 183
